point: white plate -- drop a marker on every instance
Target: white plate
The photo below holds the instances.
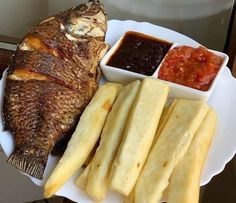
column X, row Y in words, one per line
column 223, row 100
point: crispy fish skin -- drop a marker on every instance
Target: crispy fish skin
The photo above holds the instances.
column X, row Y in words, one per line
column 52, row 68
column 53, row 76
column 33, row 129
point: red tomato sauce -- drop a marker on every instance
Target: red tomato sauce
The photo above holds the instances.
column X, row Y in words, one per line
column 192, row 67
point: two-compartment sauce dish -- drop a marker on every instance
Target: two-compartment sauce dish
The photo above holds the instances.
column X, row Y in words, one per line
column 191, row 72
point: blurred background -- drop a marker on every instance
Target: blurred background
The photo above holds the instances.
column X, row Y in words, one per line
column 206, row 21
column 210, row 22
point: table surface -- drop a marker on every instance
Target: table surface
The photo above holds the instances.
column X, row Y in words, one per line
column 220, row 189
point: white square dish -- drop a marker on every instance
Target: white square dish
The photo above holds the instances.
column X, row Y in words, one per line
column 120, row 75
column 181, row 91
column 115, row 74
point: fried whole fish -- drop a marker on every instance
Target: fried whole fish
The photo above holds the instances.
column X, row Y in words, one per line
column 52, row 77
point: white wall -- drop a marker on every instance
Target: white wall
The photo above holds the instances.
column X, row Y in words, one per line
column 18, row 15
column 204, row 20
column 60, row 5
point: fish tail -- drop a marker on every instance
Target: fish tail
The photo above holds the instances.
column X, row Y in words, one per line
column 27, row 163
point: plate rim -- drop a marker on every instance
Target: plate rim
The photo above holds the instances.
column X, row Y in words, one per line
column 229, row 74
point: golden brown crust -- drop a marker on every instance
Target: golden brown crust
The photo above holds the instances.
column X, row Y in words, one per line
column 53, row 76
column 169, row 149
column 184, row 185
column 60, row 71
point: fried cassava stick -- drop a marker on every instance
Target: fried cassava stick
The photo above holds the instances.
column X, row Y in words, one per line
column 164, row 118
column 82, row 180
column 98, row 175
column 169, row 149
column 184, row 183
column 140, row 131
column 84, row 138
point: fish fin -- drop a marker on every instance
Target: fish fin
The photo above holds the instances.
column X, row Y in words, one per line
column 27, row 164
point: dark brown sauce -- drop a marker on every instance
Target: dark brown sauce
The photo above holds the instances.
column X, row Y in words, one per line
column 139, row 53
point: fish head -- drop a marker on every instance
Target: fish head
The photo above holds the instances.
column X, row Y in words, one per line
column 88, row 20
